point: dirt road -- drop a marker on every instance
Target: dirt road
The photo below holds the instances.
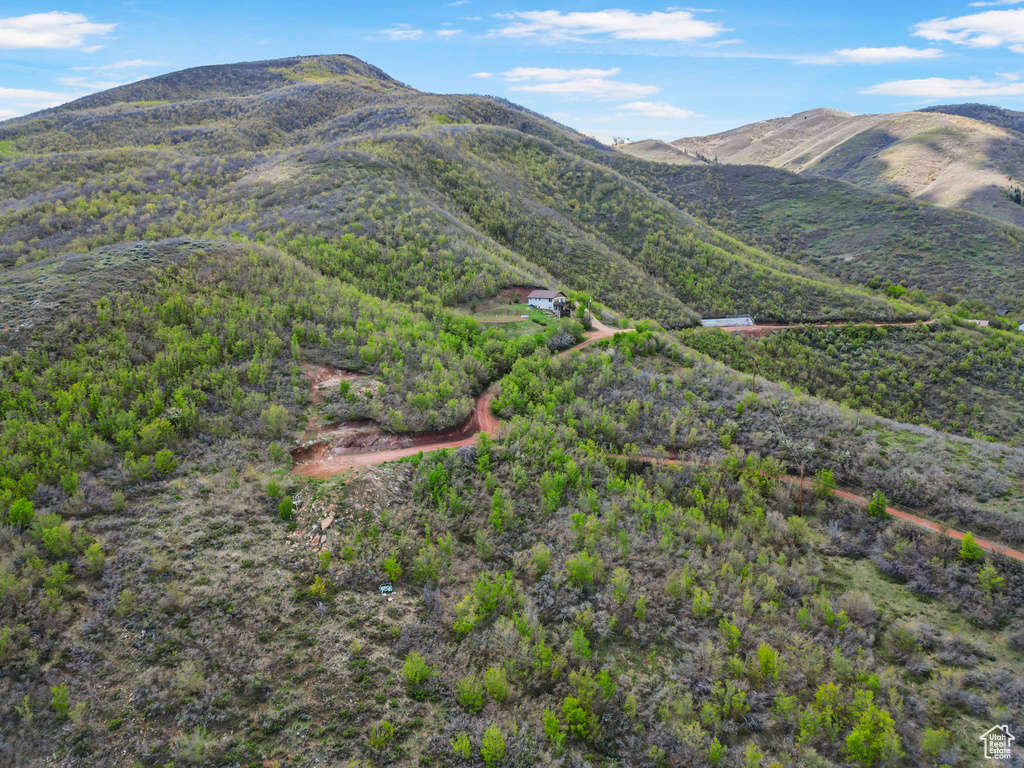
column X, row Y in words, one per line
column 483, row 420
column 324, row 464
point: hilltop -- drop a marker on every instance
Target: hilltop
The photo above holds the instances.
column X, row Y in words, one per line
column 966, row 156
column 492, row 194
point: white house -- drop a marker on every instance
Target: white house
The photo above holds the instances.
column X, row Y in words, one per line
column 553, row 300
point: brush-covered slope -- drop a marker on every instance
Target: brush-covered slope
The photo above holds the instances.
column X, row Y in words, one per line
column 170, row 595
column 946, row 157
column 659, row 152
column 410, row 196
column 848, row 232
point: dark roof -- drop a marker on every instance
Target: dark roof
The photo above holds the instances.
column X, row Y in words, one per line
column 542, row 294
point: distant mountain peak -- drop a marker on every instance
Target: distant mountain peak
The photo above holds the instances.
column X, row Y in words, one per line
column 240, row 79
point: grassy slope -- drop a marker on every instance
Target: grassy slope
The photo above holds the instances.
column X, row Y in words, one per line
column 950, row 159
column 847, row 232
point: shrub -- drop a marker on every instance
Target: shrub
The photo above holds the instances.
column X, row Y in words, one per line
column 934, row 741
column 469, row 692
column 540, row 556
column 620, row 585
column 580, row 643
column 286, row 508
column 58, row 540
column 94, row 558
column 276, row 419
column 583, row 569
column 382, row 734
column 874, row 740
column 824, row 483
column 165, row 462
column 554, row 730
column 716, row 752
column 496, row 682
column 461, row 745
column 274, row 490
column 769, row 666
column 318, row 589
column 492, row 747
column 392, row 567
column 325, row 560
column 21, row 513
column 60, row 699
column 702, row 603
column 640, row 610
column 969, row 549
column 416, row 672
column 878, row 505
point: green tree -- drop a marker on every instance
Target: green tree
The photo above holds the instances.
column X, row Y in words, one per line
column 878, row 505
column 21, row 513
column 874, row 740
column 969, row 549
column 469, row 692
column 416, row 672
column 461, row 745
column 277, row 420
column 60, row 699
column 496, row 681
column 824, row 483
column 492, row 747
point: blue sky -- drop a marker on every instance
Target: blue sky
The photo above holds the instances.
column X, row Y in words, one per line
column 627, row 69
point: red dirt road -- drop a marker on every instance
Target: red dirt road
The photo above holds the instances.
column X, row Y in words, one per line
column 483, row 420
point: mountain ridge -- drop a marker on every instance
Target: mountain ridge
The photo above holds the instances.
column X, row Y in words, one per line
column 954, row 156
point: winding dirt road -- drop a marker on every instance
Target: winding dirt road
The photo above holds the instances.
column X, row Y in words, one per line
column 322, row 466
column 484, row 421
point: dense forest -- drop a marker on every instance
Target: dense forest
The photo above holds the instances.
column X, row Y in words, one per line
column 626, row 573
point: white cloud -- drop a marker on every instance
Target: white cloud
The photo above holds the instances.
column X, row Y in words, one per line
column 457, row 3
column 129, row 64
column 25, row 100
column 614, row 23
column 448, row 32
column 575, row 82
column 875, row 55
column 591, row 86
column 986, row 3
column 26, row 94
column 946, row 88
column 482, row 74
column 403, row 32
column 56, row 29
column 659, row 109
column 86, row 84
column 987, row 29
column 552, row 74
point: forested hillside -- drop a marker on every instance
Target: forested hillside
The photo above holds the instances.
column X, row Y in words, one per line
column 204, row 274
column 847, row 232
column 437, row 188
